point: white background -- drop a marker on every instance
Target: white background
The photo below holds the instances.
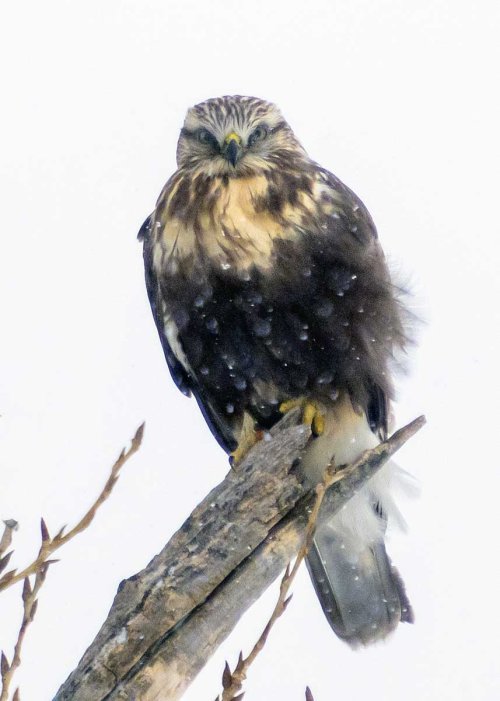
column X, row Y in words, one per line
column 400, row 100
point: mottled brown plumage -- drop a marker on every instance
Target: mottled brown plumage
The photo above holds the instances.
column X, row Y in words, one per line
column 268, row 284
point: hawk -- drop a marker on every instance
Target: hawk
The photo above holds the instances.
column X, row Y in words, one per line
column 270, row 290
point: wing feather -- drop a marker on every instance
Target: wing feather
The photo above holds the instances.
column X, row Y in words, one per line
column 183, row 377
column 359, row 223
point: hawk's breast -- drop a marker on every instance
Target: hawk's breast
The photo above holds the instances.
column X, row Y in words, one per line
column 234, row 222
column 270, row 295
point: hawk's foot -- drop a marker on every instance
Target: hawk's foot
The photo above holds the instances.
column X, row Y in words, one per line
column 249, row 436
column 312, row 414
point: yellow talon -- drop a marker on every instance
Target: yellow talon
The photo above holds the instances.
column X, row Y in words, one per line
column 311, row 413
column 237, row 455
column 318, row 423
column 308, row 413
column 248, row 438
column 290, row 404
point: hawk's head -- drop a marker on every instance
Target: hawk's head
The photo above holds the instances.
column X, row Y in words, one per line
column 236, row 136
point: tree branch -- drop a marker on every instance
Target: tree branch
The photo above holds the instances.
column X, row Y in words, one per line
column 39, row 567
column 50, row 545
column 167, row 620
column 30, row 604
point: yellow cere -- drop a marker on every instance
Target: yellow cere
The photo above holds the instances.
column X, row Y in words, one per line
column 233, row 136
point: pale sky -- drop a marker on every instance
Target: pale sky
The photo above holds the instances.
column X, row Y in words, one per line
column 401, row 101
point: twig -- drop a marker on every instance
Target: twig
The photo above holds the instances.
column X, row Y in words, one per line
column 30, row 603
column 50, row 545
column 40, row 566
column 233, row 681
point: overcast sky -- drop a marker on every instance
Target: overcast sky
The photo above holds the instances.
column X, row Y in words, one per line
column 401, row 101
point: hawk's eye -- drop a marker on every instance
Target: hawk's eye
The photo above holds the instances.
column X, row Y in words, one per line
column 206, row 137
column 258, row 134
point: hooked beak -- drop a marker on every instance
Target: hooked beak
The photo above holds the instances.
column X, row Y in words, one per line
column 232, row 148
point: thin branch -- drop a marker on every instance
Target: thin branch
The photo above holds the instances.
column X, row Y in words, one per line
column 30, row 604
column 233, row 681
column 50, row 545
column 40, row 566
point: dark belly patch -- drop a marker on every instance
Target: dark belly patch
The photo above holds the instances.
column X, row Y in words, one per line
column 323, row 321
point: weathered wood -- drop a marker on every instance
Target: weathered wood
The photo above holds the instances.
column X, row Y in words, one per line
column 167, row 620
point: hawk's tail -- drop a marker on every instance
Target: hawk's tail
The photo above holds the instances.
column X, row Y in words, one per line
column 361, row 593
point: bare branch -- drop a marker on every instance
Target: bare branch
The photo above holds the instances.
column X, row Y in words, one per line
column 30, row 601
column 50, row 545
column 40, row 566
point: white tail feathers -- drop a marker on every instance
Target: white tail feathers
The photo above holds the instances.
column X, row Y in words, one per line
column 361, row 593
